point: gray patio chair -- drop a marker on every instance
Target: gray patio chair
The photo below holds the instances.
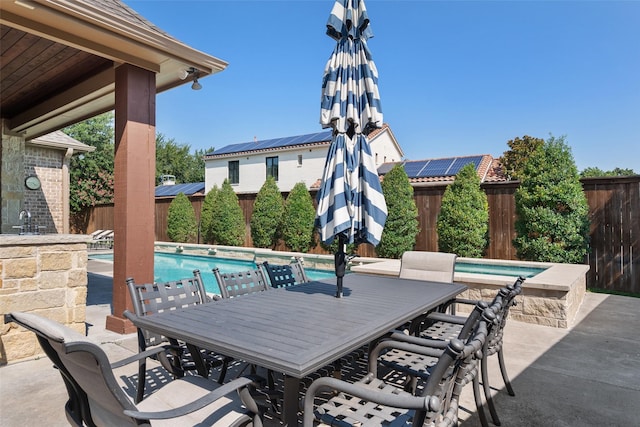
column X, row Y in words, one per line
column 373, row 402
column 150, row 298
column 434, row 266
column 442, row 326
column 191, row 400
column 240, row 283
column 77, row 407
column 417, row 365
column 283, row 275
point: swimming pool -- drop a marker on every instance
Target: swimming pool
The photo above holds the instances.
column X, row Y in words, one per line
column 497, row 269
column 168, row 267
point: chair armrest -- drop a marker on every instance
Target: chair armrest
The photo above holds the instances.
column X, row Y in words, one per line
column 209, row 398
column 426, row 342
column 365, row 393
column 141, row 355
column 446, row 318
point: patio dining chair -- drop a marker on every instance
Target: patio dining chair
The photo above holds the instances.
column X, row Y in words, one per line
column 151, row 298
column 429, row 266
column 374, row 402
column 240, row 283
column 422, row 265
column 191, row 400
column 418, row 365
column 283, row 275
column 443, row 327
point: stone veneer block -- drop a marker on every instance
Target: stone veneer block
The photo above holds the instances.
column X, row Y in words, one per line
column 44, row 274
column 50, row 261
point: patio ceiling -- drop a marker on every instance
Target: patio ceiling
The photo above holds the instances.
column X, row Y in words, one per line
column 58, row 60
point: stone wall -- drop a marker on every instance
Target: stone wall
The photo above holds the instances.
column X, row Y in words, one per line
column 12, row 180
column 46, row 275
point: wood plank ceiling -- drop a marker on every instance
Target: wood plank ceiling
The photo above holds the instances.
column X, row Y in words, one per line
column 34, row 69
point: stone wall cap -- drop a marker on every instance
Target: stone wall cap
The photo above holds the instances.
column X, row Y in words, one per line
column 42, row 239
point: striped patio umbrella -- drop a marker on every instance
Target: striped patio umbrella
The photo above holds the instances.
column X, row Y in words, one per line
column 351, row 206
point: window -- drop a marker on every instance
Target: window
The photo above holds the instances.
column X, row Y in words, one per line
column 234, row 172
column 299, row 159
column 272, row 167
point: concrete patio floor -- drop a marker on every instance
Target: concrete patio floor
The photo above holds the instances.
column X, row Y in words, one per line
column 588, row 375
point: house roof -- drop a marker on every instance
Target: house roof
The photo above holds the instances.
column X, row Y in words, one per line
column 445, row 169
column 288, row 142
column 62, row 141
column 59, row 59
column 173, row 190
column 318, row 138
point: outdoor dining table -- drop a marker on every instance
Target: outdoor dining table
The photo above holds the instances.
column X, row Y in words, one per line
column 300, row 329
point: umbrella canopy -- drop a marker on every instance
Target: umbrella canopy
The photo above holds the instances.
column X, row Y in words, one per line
column 351, row 205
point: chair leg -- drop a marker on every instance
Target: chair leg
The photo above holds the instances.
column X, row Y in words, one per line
column 505, row 377
column 487, row 391
column 479, row 406
column 223, row 369
column 142, row 373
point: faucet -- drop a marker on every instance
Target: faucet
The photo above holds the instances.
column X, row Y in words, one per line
column 25, row 217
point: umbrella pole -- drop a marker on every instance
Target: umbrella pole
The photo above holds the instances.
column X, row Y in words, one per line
column 341, row 263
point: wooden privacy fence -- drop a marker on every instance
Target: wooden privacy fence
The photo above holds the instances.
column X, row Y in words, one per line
column 614, row 212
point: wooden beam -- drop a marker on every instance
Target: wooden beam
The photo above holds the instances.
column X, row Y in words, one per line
column 134, row 201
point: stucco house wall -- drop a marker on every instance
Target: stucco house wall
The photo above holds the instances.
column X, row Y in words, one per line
column 253, row 171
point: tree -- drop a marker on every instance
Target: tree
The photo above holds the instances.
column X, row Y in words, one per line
column 91, row 174
column 463, row 222
column 595, row 172
column 552, row 213
column 514, row 160
column 401, row 228
column 206, row 215
column 268, row 210
column 298, row 219
column 181, row 220
column 175, row 159
column 227, row 225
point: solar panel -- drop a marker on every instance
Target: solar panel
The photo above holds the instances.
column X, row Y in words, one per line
column 173, row 190
column 385, row 168
column 437, row 167
column 274, row 143
column 413, row 168
column 461, row 162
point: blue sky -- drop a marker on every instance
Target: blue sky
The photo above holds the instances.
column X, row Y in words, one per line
column 456, row 77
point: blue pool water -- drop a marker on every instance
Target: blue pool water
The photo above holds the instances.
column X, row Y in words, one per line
column 168, row 267
column 500, row 270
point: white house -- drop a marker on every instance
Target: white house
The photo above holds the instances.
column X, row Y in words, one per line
column 290, row 160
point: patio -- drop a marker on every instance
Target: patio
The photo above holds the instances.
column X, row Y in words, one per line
column 582, row 376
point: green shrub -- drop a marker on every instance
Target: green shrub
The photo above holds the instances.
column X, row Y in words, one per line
column 268, row 210
column 227, row 225
column 552, row 212
column 298, row 220
column 401, row 228
column 181, row 220
column 463, row 221
column 206, row 215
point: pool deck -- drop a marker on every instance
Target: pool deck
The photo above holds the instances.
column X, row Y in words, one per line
column 585, row 375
